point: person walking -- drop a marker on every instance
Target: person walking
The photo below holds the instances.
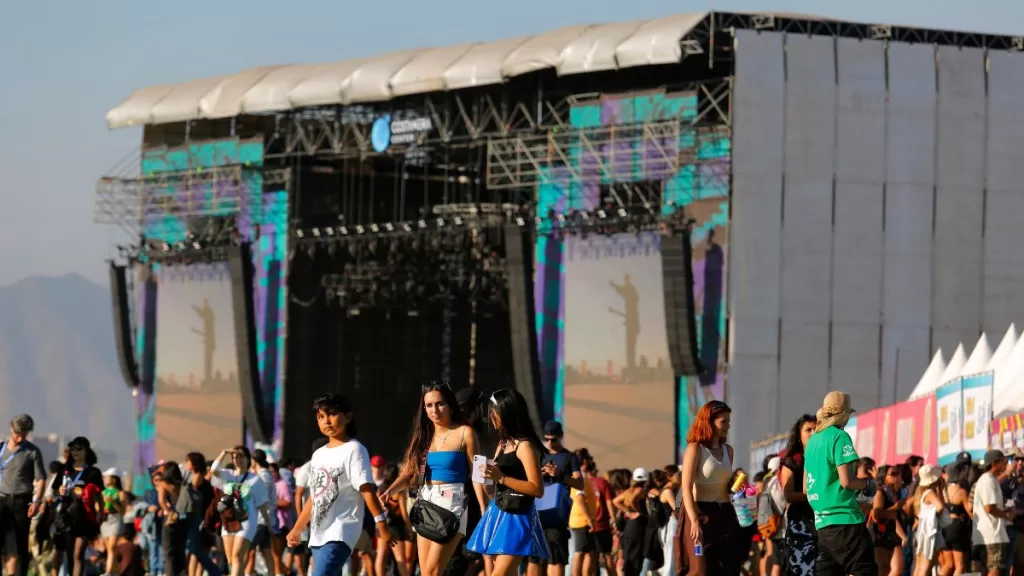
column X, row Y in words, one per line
column 830, row 478
column 22, row 481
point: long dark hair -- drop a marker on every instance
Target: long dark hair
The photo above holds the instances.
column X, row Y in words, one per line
column 794, row 446
column 423, row 429
column 510, row 406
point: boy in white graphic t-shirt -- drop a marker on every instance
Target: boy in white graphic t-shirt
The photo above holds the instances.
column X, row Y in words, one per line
column 339, row 485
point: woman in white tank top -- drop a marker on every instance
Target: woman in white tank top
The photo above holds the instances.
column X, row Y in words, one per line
column 707, row 517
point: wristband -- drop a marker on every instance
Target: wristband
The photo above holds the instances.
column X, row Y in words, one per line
column 383, row 516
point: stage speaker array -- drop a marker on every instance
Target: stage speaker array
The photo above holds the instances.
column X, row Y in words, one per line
column 521, row 311
column 257, row 423
column 123, row 326
column 680, row 320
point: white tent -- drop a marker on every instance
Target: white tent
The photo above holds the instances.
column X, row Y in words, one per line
column 1002, row 353
column 955, row 366
column 980, row 356
column 1007, row 388
column 930, row 379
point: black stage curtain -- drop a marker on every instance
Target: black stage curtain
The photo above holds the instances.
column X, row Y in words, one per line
column 493, row 350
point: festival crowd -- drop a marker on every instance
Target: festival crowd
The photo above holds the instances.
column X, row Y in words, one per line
column 478, row 491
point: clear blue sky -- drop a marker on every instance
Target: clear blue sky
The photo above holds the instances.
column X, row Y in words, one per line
column 64, row 64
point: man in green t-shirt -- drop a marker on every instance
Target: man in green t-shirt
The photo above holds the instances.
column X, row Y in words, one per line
column 830, row 477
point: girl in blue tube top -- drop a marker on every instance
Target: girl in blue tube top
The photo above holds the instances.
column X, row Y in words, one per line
column 438, row 459
column 510, row 528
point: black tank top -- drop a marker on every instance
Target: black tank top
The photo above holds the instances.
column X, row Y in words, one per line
column 510, row 465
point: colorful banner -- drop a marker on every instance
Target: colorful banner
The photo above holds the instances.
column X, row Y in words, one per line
column 868, row 436
column 977, row 413
column 1008, row 432
column 948, row 410
column 915, row 430
column 885, row 436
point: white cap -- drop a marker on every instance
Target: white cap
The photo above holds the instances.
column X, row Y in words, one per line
column 640, row 475
column 773, row 464
column 112, row 472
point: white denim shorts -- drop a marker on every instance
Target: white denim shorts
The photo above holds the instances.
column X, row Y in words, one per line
column 451, row 497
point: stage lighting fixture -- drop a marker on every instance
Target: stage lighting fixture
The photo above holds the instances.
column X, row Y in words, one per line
column 520, row 221
column 389, row 227
column 344, row 231
column 561, row 218
column 360, row 229
column 299, row 233
column 602, row 214
column 421, row 224
column 180, row 245
column 166, row 247
column 197, row 246
column 458, row 221
column 622, row 212
column 440, row 222
column 374, row 228
column 406, row 227
column 329, row 230
column 316, row 232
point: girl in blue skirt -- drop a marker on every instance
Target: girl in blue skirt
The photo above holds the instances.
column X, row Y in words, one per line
column 510, row 528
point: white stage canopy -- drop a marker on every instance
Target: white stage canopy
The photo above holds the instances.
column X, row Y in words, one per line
column 930, row 379
column 979, row 359
column 569, row 50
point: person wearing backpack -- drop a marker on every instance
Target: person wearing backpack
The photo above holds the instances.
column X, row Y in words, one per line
column 561, row 472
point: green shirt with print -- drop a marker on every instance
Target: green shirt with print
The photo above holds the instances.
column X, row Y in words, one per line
column 833, row 505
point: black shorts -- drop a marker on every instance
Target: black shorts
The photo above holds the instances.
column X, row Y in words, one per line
column 558, row 546
column 587, row 542
column 298, row 550
column 14, row 520
column 261, row 541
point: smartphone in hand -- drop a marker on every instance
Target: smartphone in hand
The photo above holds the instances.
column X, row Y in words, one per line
column 479, row 461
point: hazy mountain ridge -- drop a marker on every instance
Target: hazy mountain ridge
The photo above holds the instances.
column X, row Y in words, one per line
column 58, row 363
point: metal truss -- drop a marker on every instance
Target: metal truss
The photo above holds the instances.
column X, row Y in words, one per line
column 725, row 21
column 604, row 153
column 203, row 271
column 133, row 202
column 457, row 118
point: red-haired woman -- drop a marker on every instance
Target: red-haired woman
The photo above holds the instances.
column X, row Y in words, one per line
column 708, row 521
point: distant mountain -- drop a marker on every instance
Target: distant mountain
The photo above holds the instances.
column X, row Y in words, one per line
column 58, row 363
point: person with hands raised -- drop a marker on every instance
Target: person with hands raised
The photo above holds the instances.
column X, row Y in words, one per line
column 341, row 486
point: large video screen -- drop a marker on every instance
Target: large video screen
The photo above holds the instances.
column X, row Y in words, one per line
column 619, row 399
column 198, row 399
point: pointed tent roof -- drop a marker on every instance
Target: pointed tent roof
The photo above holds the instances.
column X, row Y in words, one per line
column 980, row 356
column 1006, row 377
column 955, row 366
column 930, row 379
column 1002, row 353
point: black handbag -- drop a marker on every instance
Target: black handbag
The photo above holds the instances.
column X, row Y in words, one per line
column 511, row 501
column 433, row 522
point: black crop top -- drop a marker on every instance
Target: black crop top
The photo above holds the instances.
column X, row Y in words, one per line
column 510, row 465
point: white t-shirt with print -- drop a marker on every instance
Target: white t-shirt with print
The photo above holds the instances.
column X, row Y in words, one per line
column 253, row 491
column 335, row 476
column 987, row 528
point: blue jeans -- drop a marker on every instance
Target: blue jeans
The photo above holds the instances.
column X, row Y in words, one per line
column 1013, row 534
column 329, row 558
column 194, row 546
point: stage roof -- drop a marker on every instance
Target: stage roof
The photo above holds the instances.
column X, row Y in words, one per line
column 569, row 50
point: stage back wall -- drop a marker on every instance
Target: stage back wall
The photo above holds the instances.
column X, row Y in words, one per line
column 873, row 196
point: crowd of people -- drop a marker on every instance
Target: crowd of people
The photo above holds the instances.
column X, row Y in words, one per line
column 479, row 491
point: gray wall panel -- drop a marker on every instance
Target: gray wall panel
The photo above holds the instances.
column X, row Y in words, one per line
column 910, row 181
column 807, row 219
column 1003, row 261
column 755, row 240
column 959, row 197
column 858, row 230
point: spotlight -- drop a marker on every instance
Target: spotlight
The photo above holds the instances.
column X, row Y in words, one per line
column 360, row 229
column 330, row 231
column 374, row 228
column 421, row 224
column 622, row 212
column 166, row 247
column 197, row 246
column 406, row 227
column 316, row 232
column 602, row 214
column 344, row 231
column 299, row 233
column 458, row 221
column 520, row 221
column 389, row 227
column 180, row 245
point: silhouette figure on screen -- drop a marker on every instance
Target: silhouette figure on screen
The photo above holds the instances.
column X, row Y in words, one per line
column 630, row 315
column 714, row 267
column 205, row 313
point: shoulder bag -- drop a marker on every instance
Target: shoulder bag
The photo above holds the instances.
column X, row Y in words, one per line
column 430, row 520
